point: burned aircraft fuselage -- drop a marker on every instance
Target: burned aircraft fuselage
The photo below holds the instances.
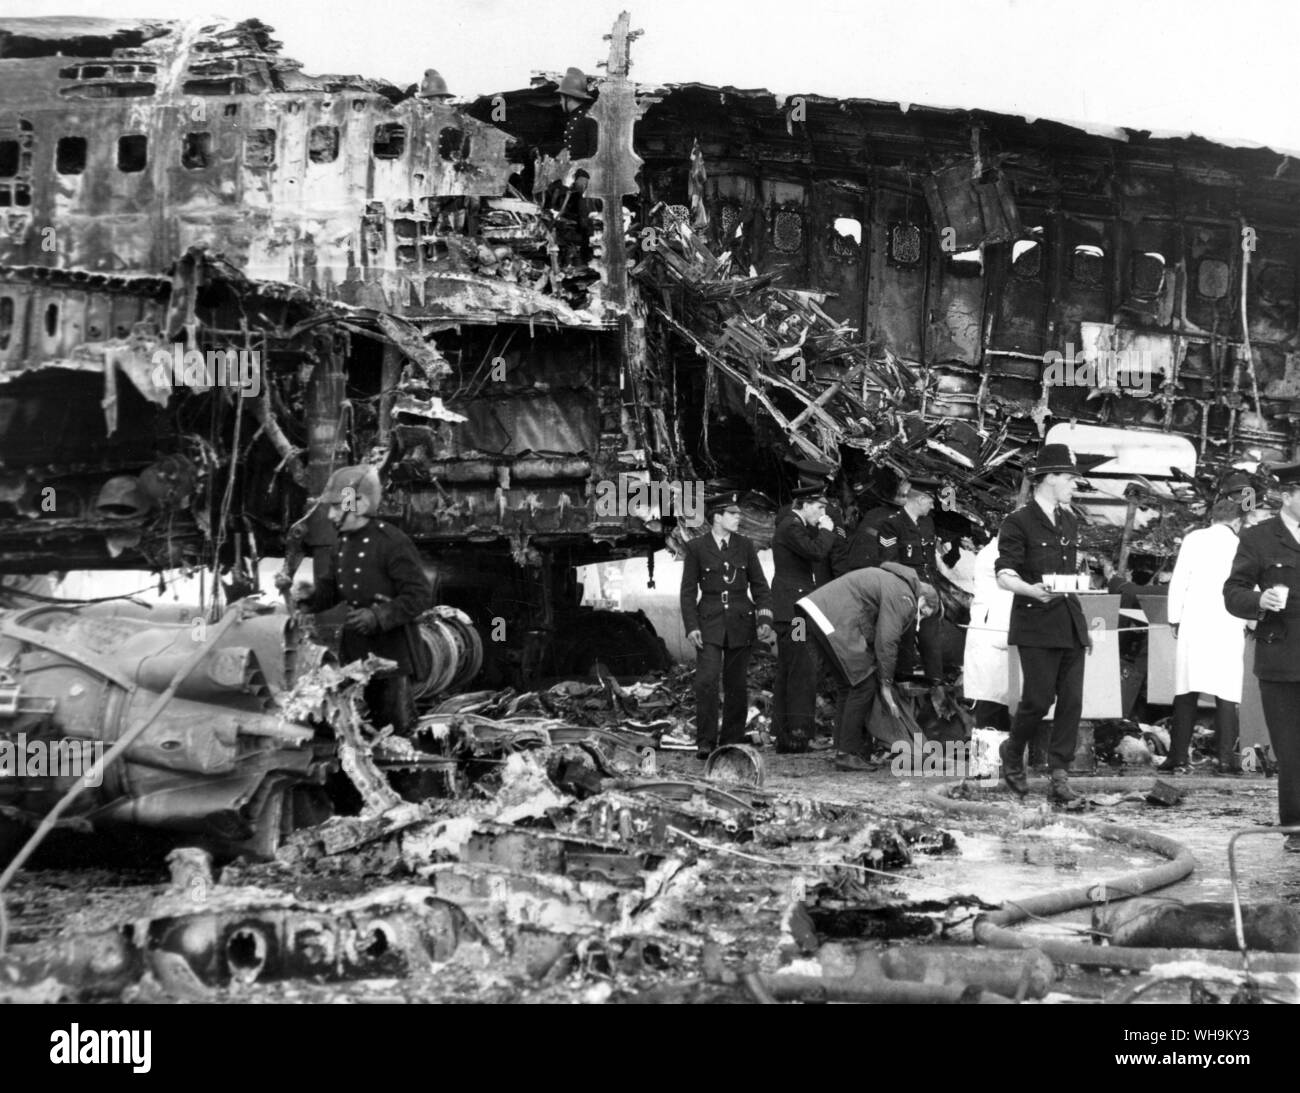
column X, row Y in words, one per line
column 430, row 287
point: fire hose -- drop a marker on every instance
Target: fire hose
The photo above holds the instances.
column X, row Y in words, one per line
column 994, row 929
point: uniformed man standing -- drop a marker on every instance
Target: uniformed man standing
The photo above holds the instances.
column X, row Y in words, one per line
column 720, row 574
column 1037, row 547
column 375, row 570
column 908, row 537
column 1265, row 585
column 799, row 547
column 862, row 547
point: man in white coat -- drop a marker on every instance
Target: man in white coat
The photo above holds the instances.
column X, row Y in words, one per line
column 986, row 666
column 1211, row 642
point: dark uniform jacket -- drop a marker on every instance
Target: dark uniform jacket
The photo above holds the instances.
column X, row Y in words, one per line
column 377, row 566
column 909, row 541
column 863, row 617
column 797, row 551
column 716, row 590
column 1268, row 554
column 1032, row 545
column 863, row 546
column 574, row 132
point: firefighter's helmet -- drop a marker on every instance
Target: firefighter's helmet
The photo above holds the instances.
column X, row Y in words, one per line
column 574, row 85
column 434, row 86
column 348, row 485
column 121, row 498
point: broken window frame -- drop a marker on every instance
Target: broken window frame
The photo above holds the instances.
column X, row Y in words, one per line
column 312, row 152
column 387, row 136
column 259, row 148
column 190, row 143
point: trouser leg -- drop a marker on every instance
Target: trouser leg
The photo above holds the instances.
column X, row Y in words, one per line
column 1281, row 702
column 929, row 639
column 1225, row 721
column 1038, row 672
column 1069, row 708
column 735, row 694
column 708, row 671
column 1180, row 727
column 784, row 661
column 851, row 730
column 800, row 653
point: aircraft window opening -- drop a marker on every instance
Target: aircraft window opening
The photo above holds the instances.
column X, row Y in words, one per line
column 967, row 263
column 196, row 151
column 1088, row 265
column 1212, row 278
column 51, row 320
column 8, row 158
column 847, row 239
column 1147, row 271
column 323, row 144
column 70, row 155
column 905, row 244
column 6, row 320
column 132, row 153
column 1027, row 257
column 390, row 141
column 259, row 148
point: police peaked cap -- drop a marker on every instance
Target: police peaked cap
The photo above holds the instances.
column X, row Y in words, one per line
column 718, row 501
column 802, row 494
column 1287, row 474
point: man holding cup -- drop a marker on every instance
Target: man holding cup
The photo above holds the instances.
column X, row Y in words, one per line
column 1263, row 585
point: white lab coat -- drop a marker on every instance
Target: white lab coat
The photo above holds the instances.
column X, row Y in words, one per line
column 986, row 669
column 1211, row 642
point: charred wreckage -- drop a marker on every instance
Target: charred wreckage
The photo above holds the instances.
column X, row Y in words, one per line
column 221, row 279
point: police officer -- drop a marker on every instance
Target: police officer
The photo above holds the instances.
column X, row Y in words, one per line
column 908, row 537
column 1265, row 585
column 799, row 548
column 375, row 570
column 1038, row 545
column 862, row 547
column 720, row 573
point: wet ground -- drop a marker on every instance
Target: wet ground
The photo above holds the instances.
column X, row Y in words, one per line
column 1028, row 849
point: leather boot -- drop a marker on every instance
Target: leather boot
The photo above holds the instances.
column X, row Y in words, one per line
column 1060, row 793
column 1013, row 768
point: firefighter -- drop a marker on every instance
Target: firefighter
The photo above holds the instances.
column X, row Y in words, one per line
column 1264, row 585
column 1038, row 552
column 720, row 574
column 375, row 570
column 800, row 545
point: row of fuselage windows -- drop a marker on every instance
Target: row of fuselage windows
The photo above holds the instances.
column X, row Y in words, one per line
column 198, row 149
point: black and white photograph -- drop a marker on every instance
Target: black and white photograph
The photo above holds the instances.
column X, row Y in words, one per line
column 512, row 502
